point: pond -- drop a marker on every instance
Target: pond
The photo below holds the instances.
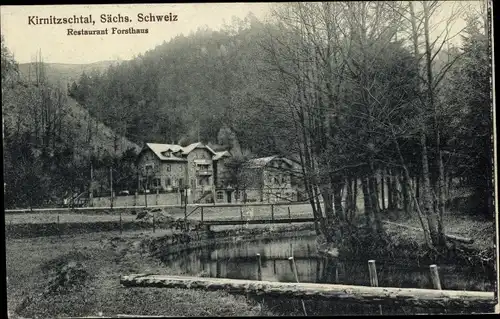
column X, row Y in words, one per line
column 238, row 260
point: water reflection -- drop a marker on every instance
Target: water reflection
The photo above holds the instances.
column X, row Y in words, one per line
column 238, row 260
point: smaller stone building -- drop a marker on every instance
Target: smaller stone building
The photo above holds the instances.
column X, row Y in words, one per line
column 267, row 179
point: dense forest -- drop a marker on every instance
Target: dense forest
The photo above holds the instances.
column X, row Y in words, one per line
column 194, row 87
column 361, row 93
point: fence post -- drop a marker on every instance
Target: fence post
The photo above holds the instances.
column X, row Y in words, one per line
column 91, row 199
column 157, row 194
column 293, row 266
column 272, row 211
column 202, row 214
column 217, row 266
column 136, row 195
column 259, row 267
column 241, row 216
column 435, row 277
column 373, row 273
column 289, row 214
column 58, row 227
column 154, row 226
column 372, row 268
column 120, row 222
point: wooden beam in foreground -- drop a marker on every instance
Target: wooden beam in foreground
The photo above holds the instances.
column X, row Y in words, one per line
column 353, row 294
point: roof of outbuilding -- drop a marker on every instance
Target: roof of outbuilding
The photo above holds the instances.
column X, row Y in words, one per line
column 264, row 161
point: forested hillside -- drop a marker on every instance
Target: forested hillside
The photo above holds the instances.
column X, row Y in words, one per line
column 49, row 139
column 60, row 73
column 190, row 88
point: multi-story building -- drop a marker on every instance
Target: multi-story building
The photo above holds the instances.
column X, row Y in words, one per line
column 173, row 168
column 200, row 174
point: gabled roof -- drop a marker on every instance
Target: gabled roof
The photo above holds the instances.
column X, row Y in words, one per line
column 178, row 152
column 191, row 147
column 264, row 161
column 219, row 155
column 159, row 149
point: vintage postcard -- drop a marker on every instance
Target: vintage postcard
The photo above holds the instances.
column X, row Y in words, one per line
column 249, row 159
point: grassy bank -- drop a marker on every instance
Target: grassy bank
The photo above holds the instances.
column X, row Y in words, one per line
column 402, row 242
column 79, row 276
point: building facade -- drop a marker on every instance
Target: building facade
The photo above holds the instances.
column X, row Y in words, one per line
column 201, row 175
column 173, row 168
column 267, row 179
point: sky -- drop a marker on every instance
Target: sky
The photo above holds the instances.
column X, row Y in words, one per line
column 24, row 40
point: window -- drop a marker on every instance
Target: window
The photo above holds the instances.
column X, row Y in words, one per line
column 237, row 195
column 181, row 182
column 220, row 195
column 156, row 182
column 168, row 168
column 192, row 183
column 168, row 181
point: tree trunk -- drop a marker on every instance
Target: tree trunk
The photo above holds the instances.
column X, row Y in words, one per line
column 366, row 201
column 373, row 190
column 328, row 207
column 426, row 298
column 427, row 202
column 355, row 195
column 338, row 185
column 370, row 217
column 417, row 192
column 395, row 189
column 349, row 199
column 390, row 196
column 435, row 217
column 382, row 188
column 417, row 204
column 406, row 199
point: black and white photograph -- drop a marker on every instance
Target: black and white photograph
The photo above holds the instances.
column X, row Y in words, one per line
column 249, row 159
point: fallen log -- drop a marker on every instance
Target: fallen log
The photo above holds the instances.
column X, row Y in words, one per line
column 346, row 293
column 449, row 237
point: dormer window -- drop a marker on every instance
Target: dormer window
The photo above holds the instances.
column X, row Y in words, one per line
column 167, row 153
